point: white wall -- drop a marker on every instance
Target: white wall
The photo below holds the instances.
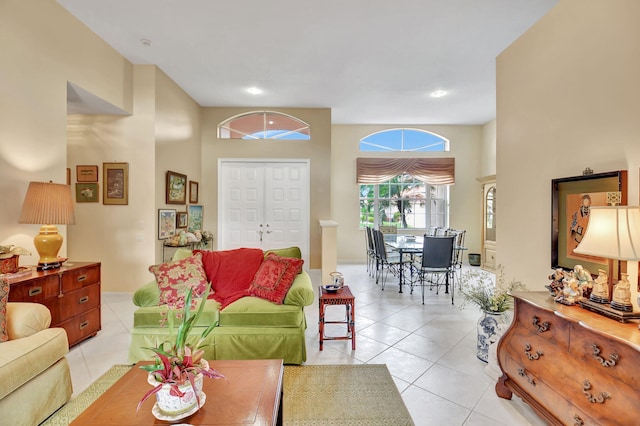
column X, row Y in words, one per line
column 567, row 96
column 465, row 195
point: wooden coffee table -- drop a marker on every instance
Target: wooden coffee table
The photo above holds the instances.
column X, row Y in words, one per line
column 252, row 396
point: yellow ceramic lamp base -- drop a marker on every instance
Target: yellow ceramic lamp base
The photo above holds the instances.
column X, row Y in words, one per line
column 48, row 243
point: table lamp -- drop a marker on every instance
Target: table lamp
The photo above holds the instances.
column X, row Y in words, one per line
column 49, row 204
column 613, row 232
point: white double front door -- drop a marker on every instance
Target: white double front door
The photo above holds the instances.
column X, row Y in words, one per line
column 263, row 204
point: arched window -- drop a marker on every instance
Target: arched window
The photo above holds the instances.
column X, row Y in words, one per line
column 406, row 140
column 264, row 125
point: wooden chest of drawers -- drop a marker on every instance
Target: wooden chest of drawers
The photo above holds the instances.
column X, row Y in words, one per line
column 573, row 366
column 72, row 294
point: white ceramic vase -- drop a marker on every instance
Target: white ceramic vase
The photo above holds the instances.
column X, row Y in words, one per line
column 489, row 325
column 174, row 406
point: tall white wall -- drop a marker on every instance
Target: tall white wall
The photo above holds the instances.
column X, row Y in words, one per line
column 567, row 99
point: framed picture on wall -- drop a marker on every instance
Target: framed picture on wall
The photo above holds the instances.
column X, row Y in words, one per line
column 87, row 192
column 166, row 223
column 571, row 199
column 193, row 192
column 195, row 218
column 176, row 188
column 115, row 183
column 87, row 173
column 182, row 219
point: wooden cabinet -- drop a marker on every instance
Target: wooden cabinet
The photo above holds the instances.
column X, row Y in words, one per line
column 573, row 366
column 72, row 294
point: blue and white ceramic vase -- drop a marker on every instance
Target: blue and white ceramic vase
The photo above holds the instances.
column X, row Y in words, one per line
column 488, row 332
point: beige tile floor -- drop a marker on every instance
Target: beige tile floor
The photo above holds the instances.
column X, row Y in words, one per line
column 429, row 350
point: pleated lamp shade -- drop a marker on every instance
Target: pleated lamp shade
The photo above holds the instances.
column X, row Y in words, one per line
column 612, row 232
column 48, row 204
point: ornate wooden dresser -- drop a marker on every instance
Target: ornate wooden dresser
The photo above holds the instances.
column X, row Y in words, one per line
column 72, row 294
column 572, row 366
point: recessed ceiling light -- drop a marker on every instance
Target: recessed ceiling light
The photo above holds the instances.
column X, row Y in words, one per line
column 438, row 93
column 254, row 90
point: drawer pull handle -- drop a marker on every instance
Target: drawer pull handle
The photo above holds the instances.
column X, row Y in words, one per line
column 81, row 278
column 523, row 373
column 542, row 327
column 531, row 356
column 84, row 299
column 35, row 291
column 600, row 399
column 611, row 362
column 578, row 421
column 84, row 325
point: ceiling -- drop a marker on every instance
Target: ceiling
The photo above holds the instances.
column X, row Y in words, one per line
column 370, row 61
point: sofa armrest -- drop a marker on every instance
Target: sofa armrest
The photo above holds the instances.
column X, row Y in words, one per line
column 25, row 319
column 301, row 292
column 147, row 295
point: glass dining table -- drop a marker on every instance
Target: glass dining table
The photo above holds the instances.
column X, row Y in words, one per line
column 404, row 244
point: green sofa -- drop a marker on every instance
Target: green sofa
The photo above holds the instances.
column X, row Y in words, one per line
column 249, row 328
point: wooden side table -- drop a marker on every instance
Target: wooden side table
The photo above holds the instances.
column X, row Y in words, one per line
column 341, row 297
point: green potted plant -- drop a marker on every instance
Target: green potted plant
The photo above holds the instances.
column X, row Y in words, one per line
column 490, row 293
column 179, row 369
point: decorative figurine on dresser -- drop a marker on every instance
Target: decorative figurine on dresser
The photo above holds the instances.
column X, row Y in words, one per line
column 621, row 299
column 555, row 286
column 600, row 293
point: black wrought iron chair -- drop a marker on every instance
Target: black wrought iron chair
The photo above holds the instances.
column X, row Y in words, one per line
column 458, row 250
column 387, row 262
column 436, row 266
column 371, row 251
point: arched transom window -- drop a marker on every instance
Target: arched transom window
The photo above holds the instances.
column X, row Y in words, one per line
column 264, row 125
column 406, row 140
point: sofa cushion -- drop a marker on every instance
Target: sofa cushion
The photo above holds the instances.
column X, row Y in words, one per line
column 256, row 312
column 26, row 319
column 301, row 292
column 286, row 252
column 175, row 278
column 154, row 316
column 4, row 297
column 274, row 277
column 231, row 272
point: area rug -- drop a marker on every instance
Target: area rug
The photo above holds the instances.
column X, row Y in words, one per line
column 330, row 395
column 72, row 409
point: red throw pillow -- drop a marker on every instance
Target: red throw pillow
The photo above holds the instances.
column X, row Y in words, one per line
column 176, row 278
column 230, row 272
column 275, row 277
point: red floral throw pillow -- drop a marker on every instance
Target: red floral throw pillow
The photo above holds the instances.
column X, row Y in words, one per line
column 176, row 278
column 275, row 277
column 4, row 297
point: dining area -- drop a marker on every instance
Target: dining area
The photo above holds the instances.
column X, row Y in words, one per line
column 432, row 260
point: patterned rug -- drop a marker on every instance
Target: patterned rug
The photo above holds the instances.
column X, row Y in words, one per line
column 327, row 395
column 77, row 405
column 330, row 395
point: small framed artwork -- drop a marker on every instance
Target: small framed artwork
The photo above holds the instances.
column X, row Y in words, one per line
column 87, row 173
column 571, row 200
column 176, row 188
column 115, row 183
column 87, row 192
column 193, row 192
column 182, row 220
column 195, row 218
column 166, row 223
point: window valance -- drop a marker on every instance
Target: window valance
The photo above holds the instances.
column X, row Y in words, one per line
column 434, row 171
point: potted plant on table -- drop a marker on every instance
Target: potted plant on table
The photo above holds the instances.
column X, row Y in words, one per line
column 9, row 258
column 179, row 369
column 491, row 294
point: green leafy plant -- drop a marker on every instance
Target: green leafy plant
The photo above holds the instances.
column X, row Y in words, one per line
column 488, row 293
column 7, row 252
column 179, row 363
